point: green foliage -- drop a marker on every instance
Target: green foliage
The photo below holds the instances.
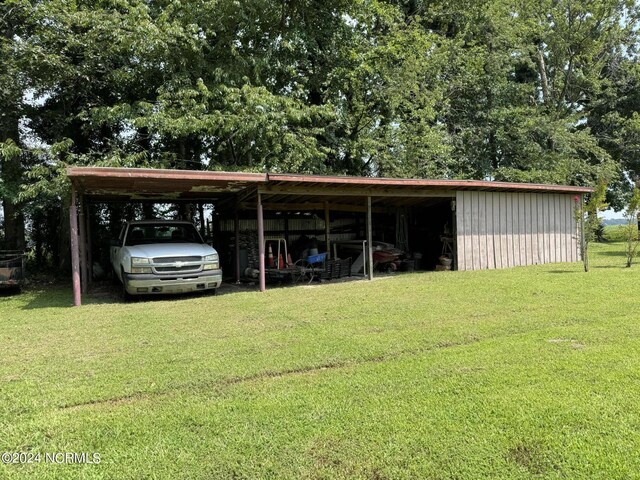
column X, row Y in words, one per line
column 586, row 214
column 632, row 238
column 373, row 88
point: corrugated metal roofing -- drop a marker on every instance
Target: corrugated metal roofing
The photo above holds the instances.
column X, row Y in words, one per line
column 166, row 185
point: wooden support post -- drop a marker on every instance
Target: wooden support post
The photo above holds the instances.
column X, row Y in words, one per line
column 84, row 271
column 236, row 225
column 327, row 228
column 89, row 246
column 261, row 246
column 75, row 254
column 369, row 239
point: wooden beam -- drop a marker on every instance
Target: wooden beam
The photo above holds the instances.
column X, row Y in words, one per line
column 369, row 239
column 75, row 254
column 246, row 193
column 261, row 245
column 355, row 191
column 307, row 207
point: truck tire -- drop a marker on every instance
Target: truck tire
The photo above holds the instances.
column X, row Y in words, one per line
column 126, row 296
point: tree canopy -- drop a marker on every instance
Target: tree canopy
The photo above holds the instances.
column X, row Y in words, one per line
column 540, row 91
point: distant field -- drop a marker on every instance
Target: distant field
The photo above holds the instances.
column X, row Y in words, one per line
column 617, row 233
column 524, row 373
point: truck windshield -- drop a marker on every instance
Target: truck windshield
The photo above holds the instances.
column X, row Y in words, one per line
column 162, row 233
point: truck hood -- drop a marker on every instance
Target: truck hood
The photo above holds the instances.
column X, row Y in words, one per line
column 170, row 250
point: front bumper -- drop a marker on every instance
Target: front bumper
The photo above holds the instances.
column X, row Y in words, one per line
column 143, row 284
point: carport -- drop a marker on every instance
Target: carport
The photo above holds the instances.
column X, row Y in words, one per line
column 234, row 192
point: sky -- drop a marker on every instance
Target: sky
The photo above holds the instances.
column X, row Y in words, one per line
column 611, row 214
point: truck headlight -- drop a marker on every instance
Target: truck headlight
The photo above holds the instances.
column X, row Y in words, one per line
column 213, row 262
column 141, row 270
column 136, row 262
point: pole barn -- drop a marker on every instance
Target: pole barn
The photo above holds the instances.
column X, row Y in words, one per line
column 481, row 224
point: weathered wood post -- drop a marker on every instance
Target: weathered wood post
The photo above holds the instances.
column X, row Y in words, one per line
column 75, row 254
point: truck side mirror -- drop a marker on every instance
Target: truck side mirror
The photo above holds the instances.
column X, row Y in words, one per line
column 114, row 242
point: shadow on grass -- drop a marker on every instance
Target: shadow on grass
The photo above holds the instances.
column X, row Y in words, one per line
column 6, row 292
column 58, row 297
column 63, row 298
column 106, row 293
column 610, row 253
column 591, row 267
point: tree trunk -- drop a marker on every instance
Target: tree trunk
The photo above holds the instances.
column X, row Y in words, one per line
column 544, row 82
column 64, row 237
column 11, row 167
column 148, row 211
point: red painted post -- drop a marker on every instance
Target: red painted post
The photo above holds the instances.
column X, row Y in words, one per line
column 261, row 245
column 75, row 254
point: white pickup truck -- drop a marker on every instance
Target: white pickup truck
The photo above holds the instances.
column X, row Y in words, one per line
column 163, row 256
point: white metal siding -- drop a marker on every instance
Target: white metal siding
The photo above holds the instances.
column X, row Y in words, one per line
column 500, row 230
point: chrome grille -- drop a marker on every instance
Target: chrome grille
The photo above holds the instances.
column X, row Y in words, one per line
column 163, row 265
column 187, row 268
column 176, row 259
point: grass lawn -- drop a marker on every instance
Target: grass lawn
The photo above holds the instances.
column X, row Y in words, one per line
column 523, row 373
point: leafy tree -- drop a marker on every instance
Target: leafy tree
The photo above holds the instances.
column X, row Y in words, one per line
column 587, row 215
column 12, row 88
column 631, row 226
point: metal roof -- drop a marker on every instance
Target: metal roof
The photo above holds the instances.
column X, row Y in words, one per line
column 105, row 183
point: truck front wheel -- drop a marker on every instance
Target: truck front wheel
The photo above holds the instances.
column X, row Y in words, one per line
column 126, row 296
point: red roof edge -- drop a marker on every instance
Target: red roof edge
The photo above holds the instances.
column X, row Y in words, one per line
column 77, row 173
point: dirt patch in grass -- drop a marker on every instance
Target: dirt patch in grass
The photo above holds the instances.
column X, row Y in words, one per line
column 528, row 456
column 532, row 457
